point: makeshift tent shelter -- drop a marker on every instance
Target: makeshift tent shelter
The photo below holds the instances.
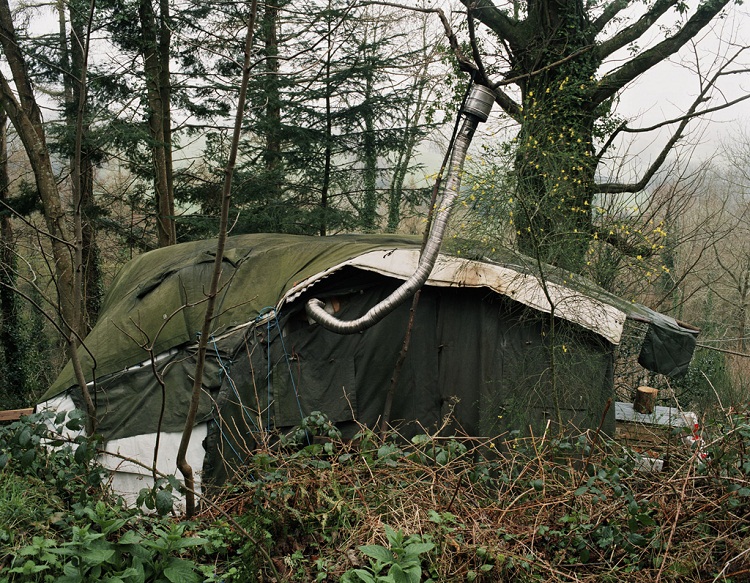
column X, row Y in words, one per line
column 495, row 344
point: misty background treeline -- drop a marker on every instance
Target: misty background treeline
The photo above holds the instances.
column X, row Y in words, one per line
column 116, row 120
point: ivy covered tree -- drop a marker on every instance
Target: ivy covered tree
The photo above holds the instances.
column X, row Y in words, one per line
column 561, row 66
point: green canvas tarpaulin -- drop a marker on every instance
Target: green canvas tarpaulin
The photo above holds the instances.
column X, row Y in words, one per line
column 481, row 349
column 157, row 299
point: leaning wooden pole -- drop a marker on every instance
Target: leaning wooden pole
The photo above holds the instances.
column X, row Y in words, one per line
column 226, row 197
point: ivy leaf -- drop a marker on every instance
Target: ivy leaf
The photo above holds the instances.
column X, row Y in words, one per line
column 636, row 539
column 163, row 502
column 80, row 454
column 27, row 458
column 25, row 437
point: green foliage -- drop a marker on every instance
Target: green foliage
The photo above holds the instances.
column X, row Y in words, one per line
column 109, row 548
column 316, row 424
column 726, row 457
column 542, row 510
column 30, row 447
column 706, row 380
column 429, row 509
column 399, row 562
column 59, row 523
column 160, row 497
column 27, row 353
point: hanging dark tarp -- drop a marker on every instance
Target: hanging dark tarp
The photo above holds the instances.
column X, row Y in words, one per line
column 667, row 350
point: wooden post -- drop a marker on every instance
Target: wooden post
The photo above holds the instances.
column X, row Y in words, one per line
column 15, row 414
column 645, row 399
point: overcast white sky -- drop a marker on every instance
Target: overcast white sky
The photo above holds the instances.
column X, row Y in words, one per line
column 670, row 88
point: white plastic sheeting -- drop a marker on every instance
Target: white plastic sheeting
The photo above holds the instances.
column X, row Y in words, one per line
column 449, row 271
column 128, row 478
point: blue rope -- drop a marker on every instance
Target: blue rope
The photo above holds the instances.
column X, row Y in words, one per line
column 272, row 322
column 228, row 442
column 291, row 373
column 232, row 384
column 261, row 314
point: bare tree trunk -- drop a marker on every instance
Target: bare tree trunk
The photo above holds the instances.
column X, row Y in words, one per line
column 156, row 67
column 370, row 206
column 26, row 117
column 165, row 90
column 90, row 263
column 272, row 152
column 73, row 64
column 742, row 314
column 54, row 216
column 328, row 153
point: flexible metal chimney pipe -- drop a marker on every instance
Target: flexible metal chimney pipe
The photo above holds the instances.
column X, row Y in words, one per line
column 476, row 109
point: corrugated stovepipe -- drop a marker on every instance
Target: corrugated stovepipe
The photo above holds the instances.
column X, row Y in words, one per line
column 476, row 109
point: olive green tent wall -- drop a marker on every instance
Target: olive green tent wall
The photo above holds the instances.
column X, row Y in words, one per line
column 476, row 356
column 157, row 300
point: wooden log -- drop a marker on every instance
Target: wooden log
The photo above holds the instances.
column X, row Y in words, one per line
column 15, row 414
column 645, row 400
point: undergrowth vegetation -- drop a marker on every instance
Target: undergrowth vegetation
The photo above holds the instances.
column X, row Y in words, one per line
column 317, row 508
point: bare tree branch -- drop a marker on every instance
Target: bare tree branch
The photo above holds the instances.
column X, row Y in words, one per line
column 505, row 101
column 692, row 112
column 611, row 10
column 617, row 79
column 507, row 28
column 632, row 32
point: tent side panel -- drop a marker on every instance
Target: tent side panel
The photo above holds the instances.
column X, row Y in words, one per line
column 480, row 357
column 134, row 402
column 505, row 368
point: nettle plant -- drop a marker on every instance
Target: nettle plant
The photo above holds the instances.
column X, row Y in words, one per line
column 400, row 561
